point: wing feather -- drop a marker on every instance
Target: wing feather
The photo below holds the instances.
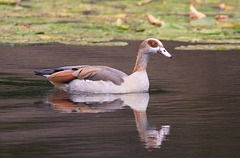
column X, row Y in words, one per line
column 84, row 72
column 62, row 76
column 96, row 73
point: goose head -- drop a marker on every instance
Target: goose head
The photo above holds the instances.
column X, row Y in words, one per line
column 153, row 46
column 148, row 47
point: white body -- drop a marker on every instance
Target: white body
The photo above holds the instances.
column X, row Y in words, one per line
column 134, row 83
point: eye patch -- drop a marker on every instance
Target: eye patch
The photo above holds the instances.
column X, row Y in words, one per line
column 152, row 43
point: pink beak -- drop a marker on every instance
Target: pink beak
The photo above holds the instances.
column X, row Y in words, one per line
column 164, row 52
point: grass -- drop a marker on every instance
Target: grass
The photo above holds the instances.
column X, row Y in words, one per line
column 94, row 22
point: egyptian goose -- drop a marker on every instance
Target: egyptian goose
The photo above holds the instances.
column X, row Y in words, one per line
column 103, row 79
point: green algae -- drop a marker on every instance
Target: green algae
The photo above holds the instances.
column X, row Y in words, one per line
column 7, row 2
column 94, row 22
column 207, row 21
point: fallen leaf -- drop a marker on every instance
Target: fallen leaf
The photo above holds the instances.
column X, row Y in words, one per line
column 229, row 25
column 223, row 6
column 194, row 14
column 221, row 17
column 26, row 26
column 121, row 15
column 51, row 37
column 119, row 21
column 144, row 2
column 154, row 21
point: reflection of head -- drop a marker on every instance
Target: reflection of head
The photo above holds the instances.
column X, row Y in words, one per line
column 154, row 138
column 96, row 103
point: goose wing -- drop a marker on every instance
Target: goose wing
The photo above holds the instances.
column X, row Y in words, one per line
column 85, row 72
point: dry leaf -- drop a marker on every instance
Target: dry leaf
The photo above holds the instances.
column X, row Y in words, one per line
column 223, row 6
column 110, row 16
column 154, row 21
column 227, row 25
column 51, row 37
column 119, row 21
column 194, row 14
column 221, row 17
column 26, row 26
column 144, row 2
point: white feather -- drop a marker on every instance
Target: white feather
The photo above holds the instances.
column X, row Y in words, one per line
column 136, row 82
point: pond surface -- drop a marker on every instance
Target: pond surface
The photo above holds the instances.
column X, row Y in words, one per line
column 192, row 109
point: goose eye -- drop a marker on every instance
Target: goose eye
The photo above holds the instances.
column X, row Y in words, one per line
column 152, row 43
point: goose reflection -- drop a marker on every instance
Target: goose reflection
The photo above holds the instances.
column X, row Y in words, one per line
column 92, row 103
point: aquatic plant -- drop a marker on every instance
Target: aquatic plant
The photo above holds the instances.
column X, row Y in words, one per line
column 102, row 22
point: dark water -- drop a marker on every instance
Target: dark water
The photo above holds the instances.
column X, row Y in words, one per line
column 192, row 109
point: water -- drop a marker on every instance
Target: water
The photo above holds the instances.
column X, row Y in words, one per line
column 192, row 109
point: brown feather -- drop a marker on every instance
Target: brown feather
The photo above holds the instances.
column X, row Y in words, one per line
column 85, row 72
column 62, row 76
column 96, row 73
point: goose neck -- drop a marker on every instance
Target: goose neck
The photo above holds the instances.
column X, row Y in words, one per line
column 141, row 62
